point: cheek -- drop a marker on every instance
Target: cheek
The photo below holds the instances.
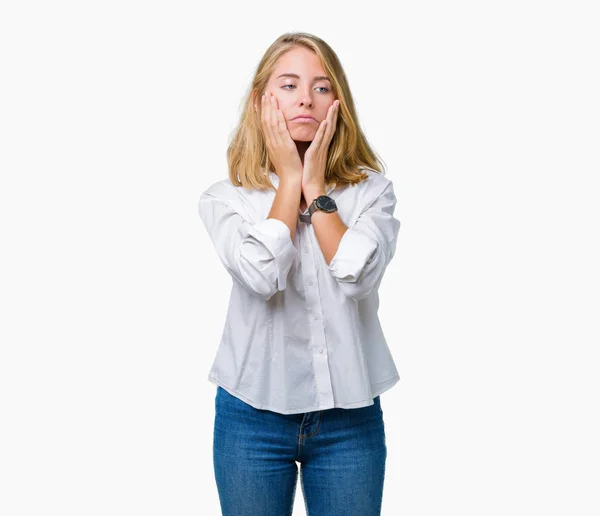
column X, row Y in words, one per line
column 277, row 98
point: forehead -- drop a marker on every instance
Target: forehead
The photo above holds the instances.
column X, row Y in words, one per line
column 301, row 62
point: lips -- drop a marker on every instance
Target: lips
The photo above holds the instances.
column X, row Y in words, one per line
column 304, row 117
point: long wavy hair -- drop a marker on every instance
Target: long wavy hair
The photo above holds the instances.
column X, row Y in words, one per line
column 349, row 150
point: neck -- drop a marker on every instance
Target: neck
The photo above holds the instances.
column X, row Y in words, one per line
column 302, row 146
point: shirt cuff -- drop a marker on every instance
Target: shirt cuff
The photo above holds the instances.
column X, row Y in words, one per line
column 275, row 235
column 354, row 252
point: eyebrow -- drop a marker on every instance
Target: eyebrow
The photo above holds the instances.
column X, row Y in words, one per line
column 296, row 76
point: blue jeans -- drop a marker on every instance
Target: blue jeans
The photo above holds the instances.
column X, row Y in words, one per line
column 342, row 454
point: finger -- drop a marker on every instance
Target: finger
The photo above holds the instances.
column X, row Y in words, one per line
column 263, row 113
column 318, row 139
column 265, row 121
column 336, row 116
column 282, row 127
column 331, row 120
column 274, row 120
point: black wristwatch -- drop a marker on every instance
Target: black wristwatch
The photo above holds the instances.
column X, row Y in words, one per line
column 323, row 203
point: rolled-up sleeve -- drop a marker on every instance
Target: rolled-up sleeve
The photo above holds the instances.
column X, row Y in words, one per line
column 367, row 247
column 259, row 256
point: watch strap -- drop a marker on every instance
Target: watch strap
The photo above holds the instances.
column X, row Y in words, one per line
column 306, row 218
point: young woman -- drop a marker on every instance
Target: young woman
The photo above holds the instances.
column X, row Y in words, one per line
column 304, row 225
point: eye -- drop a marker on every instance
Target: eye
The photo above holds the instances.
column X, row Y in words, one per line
column 323, row 87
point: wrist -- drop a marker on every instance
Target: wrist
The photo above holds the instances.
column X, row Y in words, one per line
column 290, row 181
column 311, row 192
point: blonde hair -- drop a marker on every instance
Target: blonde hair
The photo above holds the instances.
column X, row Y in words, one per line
column 247, row 154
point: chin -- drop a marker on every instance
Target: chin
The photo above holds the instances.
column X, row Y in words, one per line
column 303, row 134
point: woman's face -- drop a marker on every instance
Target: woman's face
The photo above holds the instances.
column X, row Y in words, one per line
column 298, row 84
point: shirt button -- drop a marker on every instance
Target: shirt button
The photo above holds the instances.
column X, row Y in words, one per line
column 306, row 249
column 321, row 351
column 310, row 282
column 315, row 317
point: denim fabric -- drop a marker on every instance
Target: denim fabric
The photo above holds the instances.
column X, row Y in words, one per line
column 341, row 454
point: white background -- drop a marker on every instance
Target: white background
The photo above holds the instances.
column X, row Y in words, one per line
column 115, row 117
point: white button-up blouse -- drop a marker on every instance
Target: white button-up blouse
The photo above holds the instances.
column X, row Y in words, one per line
column 301, row 335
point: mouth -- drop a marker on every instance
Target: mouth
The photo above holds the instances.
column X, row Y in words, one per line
column 304, row 119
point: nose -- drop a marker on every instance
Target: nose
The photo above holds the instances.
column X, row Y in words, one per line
column 306, row 100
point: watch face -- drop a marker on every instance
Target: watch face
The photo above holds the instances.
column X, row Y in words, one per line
column 326, row 203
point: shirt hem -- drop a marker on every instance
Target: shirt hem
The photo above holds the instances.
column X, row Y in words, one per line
column 382, row 387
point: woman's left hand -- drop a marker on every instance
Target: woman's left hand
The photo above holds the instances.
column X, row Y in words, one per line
column 315, row 157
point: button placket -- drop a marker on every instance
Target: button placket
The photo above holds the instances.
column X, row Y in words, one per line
column 316, row 324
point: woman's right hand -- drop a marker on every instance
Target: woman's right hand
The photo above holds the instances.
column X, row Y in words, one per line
column 282, row 150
